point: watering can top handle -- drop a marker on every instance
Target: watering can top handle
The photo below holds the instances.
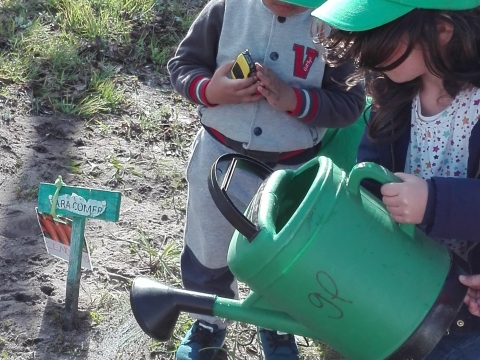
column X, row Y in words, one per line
column 223, row 201
column 370, row 170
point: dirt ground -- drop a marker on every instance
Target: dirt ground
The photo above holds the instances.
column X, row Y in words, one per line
column 142, row 154
column 111, row 153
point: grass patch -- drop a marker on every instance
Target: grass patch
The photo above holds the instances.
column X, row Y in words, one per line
column 161, row 258
column 72, row 56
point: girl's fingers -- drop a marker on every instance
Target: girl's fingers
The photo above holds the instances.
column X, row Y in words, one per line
column 390, row 189
column 398, row 219
column 403, row 176
column 473, row 305
column 390, row 200
column 474, row 309
column 472, row 280
column 395, row 211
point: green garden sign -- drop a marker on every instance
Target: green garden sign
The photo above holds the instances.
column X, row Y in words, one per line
column 79, row 204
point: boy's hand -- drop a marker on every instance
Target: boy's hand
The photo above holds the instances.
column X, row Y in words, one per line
column 406, row 201
column 278, row 93
column 222, row 90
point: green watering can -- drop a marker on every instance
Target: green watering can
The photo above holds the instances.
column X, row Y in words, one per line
column 323, row 259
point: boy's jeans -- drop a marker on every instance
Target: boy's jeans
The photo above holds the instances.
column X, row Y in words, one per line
column 457, row 346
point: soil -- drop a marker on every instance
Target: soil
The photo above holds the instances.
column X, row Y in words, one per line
column 140, row 152
column 111, row 153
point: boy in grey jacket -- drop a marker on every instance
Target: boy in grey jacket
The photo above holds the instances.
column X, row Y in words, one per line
column 278, row 116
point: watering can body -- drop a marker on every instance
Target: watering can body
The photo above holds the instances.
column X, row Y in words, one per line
column 323, row 259
column 315, row 245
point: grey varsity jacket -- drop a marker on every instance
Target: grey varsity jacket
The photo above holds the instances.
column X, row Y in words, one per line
column 222, row 30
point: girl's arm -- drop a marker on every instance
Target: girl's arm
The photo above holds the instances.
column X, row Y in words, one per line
column 195, row 60
column 456, row 209
column 453, row 204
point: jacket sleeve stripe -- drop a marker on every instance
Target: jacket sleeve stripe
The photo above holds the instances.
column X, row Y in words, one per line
column 300, row 108
column 197, row 90
column 297, row 109
column 192, row 91
column 313, row 107
column 306, row 104
column 202, row 86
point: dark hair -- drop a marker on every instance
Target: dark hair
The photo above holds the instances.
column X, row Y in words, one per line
column 457, row 63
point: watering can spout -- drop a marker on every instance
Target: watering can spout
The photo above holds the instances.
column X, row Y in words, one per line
column 156, row 308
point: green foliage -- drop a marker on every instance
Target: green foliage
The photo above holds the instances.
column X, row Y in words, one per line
column 74, row 167
column 72, row 55
column 27, row 193
column 121, row 169
column 96, row 317
column 100, row 18
column 162, row 259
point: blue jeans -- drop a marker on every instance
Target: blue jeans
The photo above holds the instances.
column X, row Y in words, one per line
column 457, row 346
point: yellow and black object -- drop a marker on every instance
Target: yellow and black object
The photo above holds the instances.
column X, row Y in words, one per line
column 243, row 67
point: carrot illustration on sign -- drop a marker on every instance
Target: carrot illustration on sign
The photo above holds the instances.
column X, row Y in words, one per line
column 57, row 230
column 50, row 229
column 61, row 233
column 57, row 235
column 68, row 230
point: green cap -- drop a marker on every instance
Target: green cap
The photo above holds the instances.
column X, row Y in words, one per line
column 360, row 15
column 312, row 4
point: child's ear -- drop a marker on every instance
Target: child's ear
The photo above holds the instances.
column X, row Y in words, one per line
column 444, row 31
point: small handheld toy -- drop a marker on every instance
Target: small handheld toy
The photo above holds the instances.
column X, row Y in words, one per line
column 244, row 66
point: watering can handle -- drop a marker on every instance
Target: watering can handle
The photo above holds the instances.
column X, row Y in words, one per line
column 370, row 170
column 221, row 198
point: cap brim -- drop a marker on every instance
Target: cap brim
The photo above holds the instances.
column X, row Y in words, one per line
column 312, row 4
column 359, row 15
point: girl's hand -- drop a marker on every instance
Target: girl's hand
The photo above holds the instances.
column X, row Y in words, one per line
column 472, row 299
column 406, row 201
column 278, row 93
column 222, row 90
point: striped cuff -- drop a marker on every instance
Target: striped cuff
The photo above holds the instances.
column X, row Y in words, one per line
column 197, row 90
column 307, row 105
